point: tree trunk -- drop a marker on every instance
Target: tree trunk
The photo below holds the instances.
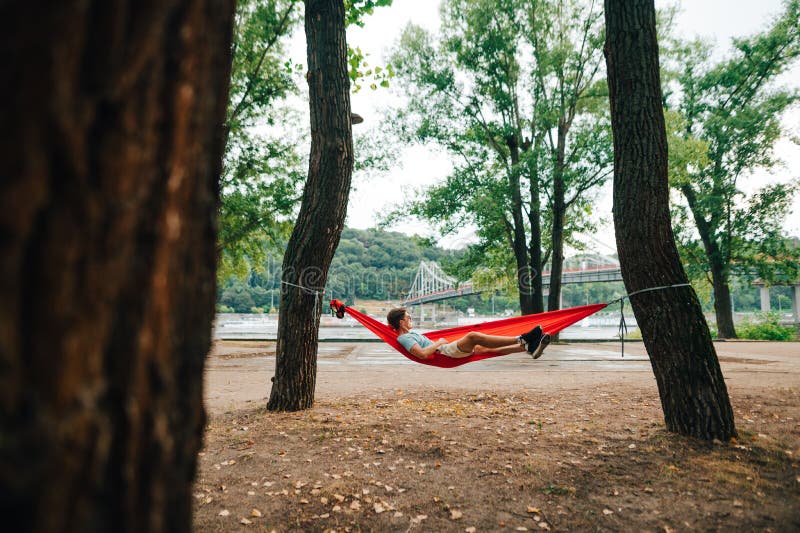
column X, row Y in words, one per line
column 693, row 393
column 322, row 212
column 524, row 274
column 535, row 244
column 722, row 304
column 719, row 277
column 113, row 117
column 559, row 214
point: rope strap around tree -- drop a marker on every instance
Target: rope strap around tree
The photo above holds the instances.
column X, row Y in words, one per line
column 623, row 327
column 306, row 290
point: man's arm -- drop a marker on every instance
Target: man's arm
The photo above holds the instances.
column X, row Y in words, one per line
column 427, row 352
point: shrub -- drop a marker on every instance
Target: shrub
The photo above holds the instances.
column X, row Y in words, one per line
column 768, row 329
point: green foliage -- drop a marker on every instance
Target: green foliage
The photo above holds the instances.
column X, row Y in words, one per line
column 356, row 10
column 723, row 121
column 369, row 264
column 514, row 93
column 360, row 71
column 262, row 166
column 767, row 328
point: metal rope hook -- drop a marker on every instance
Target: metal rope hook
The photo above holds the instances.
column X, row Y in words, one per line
column 623, row 327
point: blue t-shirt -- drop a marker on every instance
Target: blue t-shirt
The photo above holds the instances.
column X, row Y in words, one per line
column 408, row 340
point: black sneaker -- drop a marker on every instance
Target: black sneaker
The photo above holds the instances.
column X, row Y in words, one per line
column 532, row 338
column 537, row 353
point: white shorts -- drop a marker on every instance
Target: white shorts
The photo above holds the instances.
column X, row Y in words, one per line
column 451, row 350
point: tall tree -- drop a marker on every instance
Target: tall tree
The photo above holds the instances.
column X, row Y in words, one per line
column 735, row 110
column 323, row 209
column 107, row 257
column 693, row 393
column 516, row 100
column 566, row 41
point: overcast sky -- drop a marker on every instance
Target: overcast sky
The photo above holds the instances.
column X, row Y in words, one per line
column 416, row 167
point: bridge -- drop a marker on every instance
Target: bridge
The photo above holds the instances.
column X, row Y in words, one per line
column 431, row 284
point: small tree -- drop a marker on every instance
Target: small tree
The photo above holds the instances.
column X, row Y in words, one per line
column 693, row 393
column 726, row 119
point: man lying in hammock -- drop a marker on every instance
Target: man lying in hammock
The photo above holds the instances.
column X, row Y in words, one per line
column 534, row 342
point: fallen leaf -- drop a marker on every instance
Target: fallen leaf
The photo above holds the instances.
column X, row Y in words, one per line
column 607, row 512
column 355, row 505
column 256, row 513
column 323, row 500
column 533, row 509
column 224, row 512
column 521, row 528
column 737, row 503
column 378, row 508
column 245, row 521
column 544, row 525
column 455, row 515
column 470, row 529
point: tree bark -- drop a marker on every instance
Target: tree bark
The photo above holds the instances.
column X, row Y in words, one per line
column 534, row 219
column 693, row 393
column 559, row 214
column 323, row 209
column 524, row 276
column 717, row 265
column 113, row 117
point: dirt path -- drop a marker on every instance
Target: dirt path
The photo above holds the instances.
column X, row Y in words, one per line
column 572, row 442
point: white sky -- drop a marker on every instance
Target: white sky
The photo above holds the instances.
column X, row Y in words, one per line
column 416, row 166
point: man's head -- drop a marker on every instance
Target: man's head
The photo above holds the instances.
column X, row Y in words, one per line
column 395, row 316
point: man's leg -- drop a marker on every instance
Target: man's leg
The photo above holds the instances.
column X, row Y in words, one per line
column 468, row 342
column 505, row 350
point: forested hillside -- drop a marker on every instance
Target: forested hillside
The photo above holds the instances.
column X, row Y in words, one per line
column 381, row 265
column 369, row 264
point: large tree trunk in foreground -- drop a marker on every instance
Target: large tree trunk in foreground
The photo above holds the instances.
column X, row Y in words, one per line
column 322, row 213
column 690, row 383
column 112, row 116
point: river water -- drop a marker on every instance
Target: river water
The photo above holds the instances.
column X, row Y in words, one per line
column 231, row 326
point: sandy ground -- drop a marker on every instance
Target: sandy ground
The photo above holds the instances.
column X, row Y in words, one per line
column 238, row 373
column 574, row 441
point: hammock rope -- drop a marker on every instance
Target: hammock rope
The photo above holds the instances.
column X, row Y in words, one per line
column 551, row 321
column 623, row 327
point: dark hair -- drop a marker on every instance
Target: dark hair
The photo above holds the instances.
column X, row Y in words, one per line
column 395, row 316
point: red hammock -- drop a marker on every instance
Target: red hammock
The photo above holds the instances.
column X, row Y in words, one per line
column 552, row 322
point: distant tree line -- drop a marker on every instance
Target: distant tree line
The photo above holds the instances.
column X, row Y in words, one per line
column 381, row 265
column 369, row 264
